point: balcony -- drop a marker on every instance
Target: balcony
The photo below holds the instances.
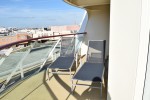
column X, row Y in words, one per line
column 35, row 84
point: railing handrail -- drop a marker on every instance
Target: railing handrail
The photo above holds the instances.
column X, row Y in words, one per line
column 22, row 41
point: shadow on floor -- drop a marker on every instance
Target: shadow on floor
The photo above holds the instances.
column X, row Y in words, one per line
column 47, row 87
column 89, row 93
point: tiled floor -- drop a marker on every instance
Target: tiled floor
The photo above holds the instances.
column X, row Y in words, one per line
column 39, row 87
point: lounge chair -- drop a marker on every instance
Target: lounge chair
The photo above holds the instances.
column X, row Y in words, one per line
column 93, row 69
column 67, row 57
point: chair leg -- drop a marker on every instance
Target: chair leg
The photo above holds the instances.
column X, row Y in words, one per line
column 103, row 82
column 47, row 73
column 70, row 73
column 101, row 90
column 72, row 87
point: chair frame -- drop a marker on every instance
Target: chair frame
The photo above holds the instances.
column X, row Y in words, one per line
column 56, row 69
column 101, row 83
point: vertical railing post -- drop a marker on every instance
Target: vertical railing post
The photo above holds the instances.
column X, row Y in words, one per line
column 14, row 71
column 21, row 71
column 19, row 66
column 60, row 45
column 50, row 54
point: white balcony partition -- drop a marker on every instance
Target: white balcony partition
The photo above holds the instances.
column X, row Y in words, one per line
column 128, row 49
column 97, row 27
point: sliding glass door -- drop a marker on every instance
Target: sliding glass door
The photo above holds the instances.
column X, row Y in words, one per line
column 146, row 91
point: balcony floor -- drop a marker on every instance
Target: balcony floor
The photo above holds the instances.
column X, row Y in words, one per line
column 39, row 87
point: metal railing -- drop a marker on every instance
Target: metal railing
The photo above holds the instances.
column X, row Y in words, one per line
column 27, row 40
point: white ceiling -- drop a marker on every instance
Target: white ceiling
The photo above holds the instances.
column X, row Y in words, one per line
column 84, row 3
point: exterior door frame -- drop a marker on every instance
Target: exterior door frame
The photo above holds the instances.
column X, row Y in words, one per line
column 143, row 50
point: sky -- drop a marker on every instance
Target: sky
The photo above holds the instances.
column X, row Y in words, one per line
column 38, row 13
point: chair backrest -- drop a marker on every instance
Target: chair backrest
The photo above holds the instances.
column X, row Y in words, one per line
column 67, row 46
column 96, row 51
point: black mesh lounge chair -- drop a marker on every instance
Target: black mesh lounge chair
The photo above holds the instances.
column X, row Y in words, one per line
column 93, row 69
column 67, row 56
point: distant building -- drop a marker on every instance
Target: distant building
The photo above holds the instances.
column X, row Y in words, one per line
column 3, row 30
column 9, row 39
column 68, row 29
column 60, row 29
column 23, row 34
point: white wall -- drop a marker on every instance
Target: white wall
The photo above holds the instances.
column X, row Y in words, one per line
column 125, row 24
column 97, row 26
column 83, row 23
